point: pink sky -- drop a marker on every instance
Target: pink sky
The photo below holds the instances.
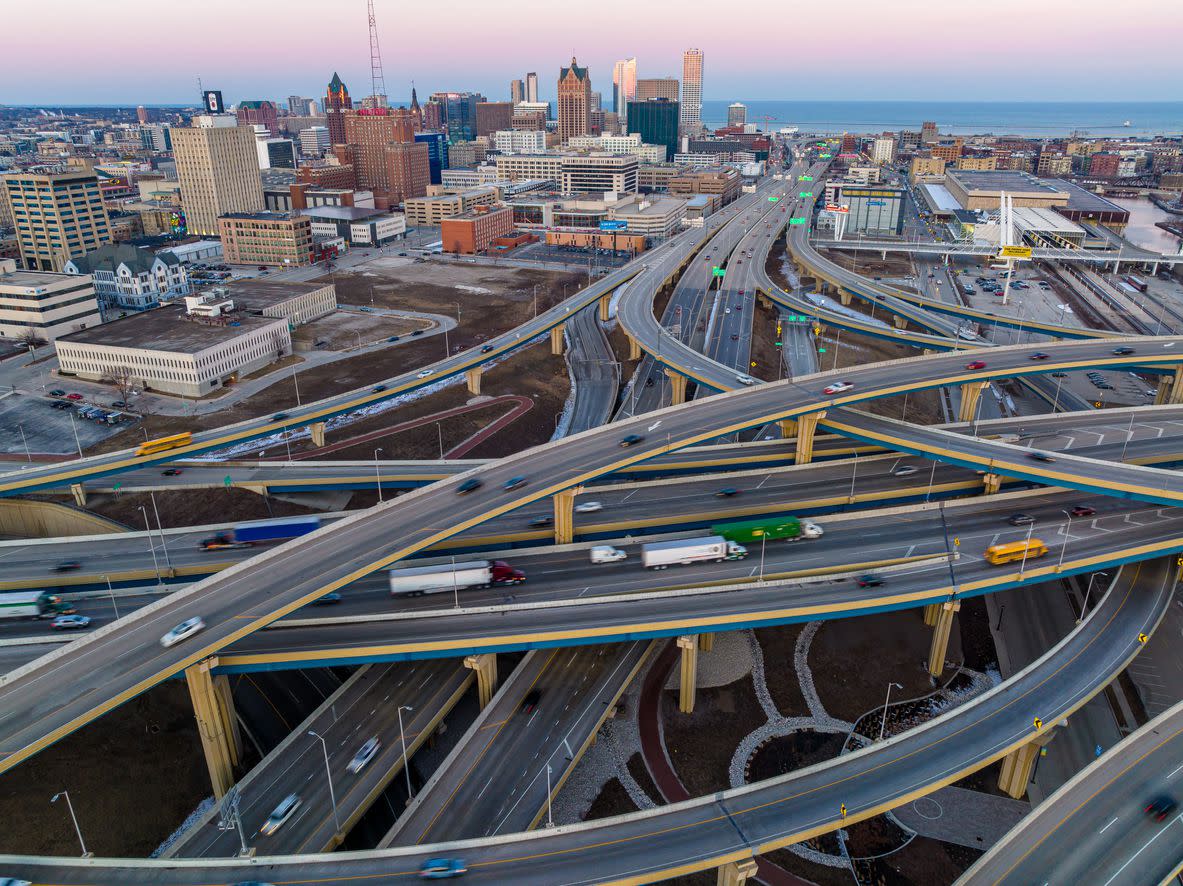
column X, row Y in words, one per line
column 135, row 51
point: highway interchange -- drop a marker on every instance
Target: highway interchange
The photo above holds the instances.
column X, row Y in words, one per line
column 123, row 659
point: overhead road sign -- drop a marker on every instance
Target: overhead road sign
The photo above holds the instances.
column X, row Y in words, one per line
column 797, row 221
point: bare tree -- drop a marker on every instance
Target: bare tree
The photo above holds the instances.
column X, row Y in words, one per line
column 122, row 378
column 32, row 340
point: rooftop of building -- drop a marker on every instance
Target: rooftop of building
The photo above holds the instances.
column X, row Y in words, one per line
column 112, row 255
column 939, row 198
column 1030, row 218
column 344, row 213
column 1081, row 200
column 1009, row 180
column 479, row 212
column 648, row 205
column 166, row 328
column 255, row 295
column 32, row 279
column 261, row 216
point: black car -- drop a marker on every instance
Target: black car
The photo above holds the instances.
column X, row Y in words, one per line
column 468, row 485
column 531, row 701
column 486, row 349
column 1161, row 807
column 417, row 332
column 1038, row 355
column 539, row 522
column 1040, row 456
column 727, row 492
column 279, row 416
column 649, row 382
column 171, row 472
column 119, row 404
column 378, row 389
column 68, row 566
column 1123, row 350
column 631, row 440
column 1020, row 519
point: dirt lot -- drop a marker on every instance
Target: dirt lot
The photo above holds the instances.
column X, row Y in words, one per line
column 132, row 741
column 896, row 642
column 870, row 265
column 856, row 350
column 724, row 715
column 777, row 645
column 350, row 329
column 181, row 508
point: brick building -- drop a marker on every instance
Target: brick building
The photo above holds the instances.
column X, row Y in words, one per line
column 263, row 113
column 493, row 116
column 474, row 231
column 574, row 102
column 266, row 238
column 337, row 102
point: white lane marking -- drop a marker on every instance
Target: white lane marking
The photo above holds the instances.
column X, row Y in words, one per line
column 1117, row 873
column 1176, row 769
column 1104, row 829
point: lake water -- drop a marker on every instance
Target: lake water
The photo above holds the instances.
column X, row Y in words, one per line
column 1141, row 230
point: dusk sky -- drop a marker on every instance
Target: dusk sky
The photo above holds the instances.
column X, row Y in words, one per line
column 141, row 52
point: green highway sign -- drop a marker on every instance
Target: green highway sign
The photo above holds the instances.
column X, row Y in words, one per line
column 717, row 272
column 773, row 199
column 826, row 156
column 806, row 178
column 805, row 194
column 797, row 221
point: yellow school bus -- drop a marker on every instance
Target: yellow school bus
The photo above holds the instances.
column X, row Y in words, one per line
column 1014, row 551
column 160, row 444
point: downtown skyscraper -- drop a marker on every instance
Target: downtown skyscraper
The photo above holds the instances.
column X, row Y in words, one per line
column 624, row 88
column 691, row 108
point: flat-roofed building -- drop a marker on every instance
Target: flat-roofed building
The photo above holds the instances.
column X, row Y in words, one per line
column 357, row 226
column 983, row 190
column 433, row 210
column 926, row 169
column 40, row 306
column 1085, row 206
column 57, row 216
column 518, row 141
column 266, row 238
column 217, row 164
column 474, row 231
column 723, row 181
column 582, row 173
column 296, row 302
column 455, row 180
column 657, row 87
column 655, row 178
column 173, row 351
column 656, row 217
column 513, row 167
column 1049, row 224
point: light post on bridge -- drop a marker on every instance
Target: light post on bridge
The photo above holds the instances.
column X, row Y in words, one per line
column 73, row 818
column 1084, row 607
column 402, row 736
column 886, row 704
column 378, row 473
column 328, row 774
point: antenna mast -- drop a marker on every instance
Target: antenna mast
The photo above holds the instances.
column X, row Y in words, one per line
column 377, row 78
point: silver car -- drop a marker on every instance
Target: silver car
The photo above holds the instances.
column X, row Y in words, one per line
column 279, row 816
column 364, row 755
column 183, row 631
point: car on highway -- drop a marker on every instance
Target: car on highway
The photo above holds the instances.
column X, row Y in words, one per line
column 442, row 868
column 837, row 387
column 588, row 507
column 280, row 814
column 1038, row 355
column 869, row 581
column 183, row 631
column 1123, row 350
column 13, row 881
column 364, row 755
column 172, row 472
column 631, row 440
column 70, row 623
column 486, row 349
column 727, row 492
column 393, row 338
column 378, row 389
column 1083, row 511
column 73, row 397
column 468, row 486
column 1020, row 519
column 327, row 599
column 976, row 364
column 734, row 336
column 1161, row 807
column 514, row 483
column 540, row 522
column 727, row 310
column 745, row 379
column 1041, row 456
column 57, row 392
column 530, row 702
column 279, row 416
column 424, row 373
column 68, row 566
column 905, row 471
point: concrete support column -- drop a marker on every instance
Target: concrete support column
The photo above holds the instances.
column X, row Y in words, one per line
column 214, row 711
column 564, row 504
column 844, row 296
column 556, row 340
column 736, row 873
column 706, row 642
column 605, row 305
column 634, row 349
column 940, row 638
column 931, row 614
column 473, row 377
column 677, row 387
column 79, row 493
column 318, row 433
column 1018, row 765
column 1163, row 391
column 485, row 665
column 688, row 643
column 806, row 425
column 991, row 483
column 899, row 322
column 1176, row 395
column 971, row 393
column 788, row 428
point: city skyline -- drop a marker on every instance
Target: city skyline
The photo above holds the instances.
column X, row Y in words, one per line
column 997, row 61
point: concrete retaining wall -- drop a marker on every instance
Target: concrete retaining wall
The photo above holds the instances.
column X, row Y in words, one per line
column 25, row 518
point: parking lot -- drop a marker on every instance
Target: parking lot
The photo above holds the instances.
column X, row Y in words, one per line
column 45, row 429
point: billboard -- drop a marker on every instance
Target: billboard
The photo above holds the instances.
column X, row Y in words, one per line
column 613, row 225
column 212, row 99
column 1015, row 252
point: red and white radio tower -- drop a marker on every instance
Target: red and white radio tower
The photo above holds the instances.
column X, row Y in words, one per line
column 377, row 78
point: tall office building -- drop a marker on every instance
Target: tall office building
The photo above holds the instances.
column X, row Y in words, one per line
column 574, row 101
column 692, row 91
column 493, row 116
column 218, row 168
column 657, row 87
column 624, row 87
column 380, row 145
column 59, row 216
column 437, row 153
column 142, row 114
column 458, row 112
column 517, row 91
column 314, row 141
column 656, row 121
column 737, row 114
column 262, row 112
column 337, row 102
column 531, row 87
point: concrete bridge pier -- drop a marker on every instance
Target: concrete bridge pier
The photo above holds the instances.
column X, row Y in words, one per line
column 677, row 387
column 213, row 706
column 899, row 322
column 556, row 340
column 806, row 426
column 940, row 636
column 634, row 349
column 564, row 504
column 991, row 483
column 605, row 307
column 736, row 873
column 971, row 394
column 1176, row 395
column 1163, row 391
column 844, row 296
column 473, row 378
column 485, row 665
column 706, row 642
column 688, row 643
column 318, row 433
column 79, row 492
column 1018, row 765
column 788, row 428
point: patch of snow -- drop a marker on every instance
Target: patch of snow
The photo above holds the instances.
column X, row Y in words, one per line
column 195, row 816
column 479, row 290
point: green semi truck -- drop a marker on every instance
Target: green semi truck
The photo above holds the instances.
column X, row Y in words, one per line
column 771, row 529
column 33, row 604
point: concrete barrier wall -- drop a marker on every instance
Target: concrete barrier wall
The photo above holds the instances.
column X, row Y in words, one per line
column 25, row 518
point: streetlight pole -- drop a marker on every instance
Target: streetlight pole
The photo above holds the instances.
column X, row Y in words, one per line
column 763, row 543
column 887, row 701
column 160, row 529
column 77, row 442
column 111, row 591
column 1129, row 435
column 296, row 380
column 550, row 819
column 1067, row 536
column 151, row 544
column 931, row 477
column 455, row 586
column 377, row 473
column 403, row 738
column 24, row 439
column 329, row 774
column 853, row 475
column 1084, row 608
column 440, row 430
column 1026, row 550
column 73, row 818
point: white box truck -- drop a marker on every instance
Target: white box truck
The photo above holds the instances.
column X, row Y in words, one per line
column 419, row 580
column 682, row 552
column 607, row 554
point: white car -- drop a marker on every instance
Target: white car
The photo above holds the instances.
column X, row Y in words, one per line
column 425, row 373
column 745, row 379
column 183, row 631
column 588, row 507
column 364, row 755
column 838, row 387
column 905, row 471
column 280, row 815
